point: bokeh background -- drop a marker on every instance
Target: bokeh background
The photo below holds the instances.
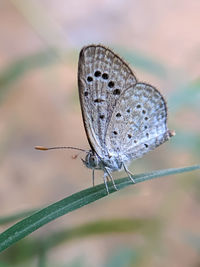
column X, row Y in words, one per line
column 39, row 47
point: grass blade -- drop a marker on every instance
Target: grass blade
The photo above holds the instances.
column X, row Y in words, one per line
column 73, row 202
column 15, row 217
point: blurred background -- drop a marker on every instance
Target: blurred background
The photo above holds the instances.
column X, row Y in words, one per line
column 152, row 224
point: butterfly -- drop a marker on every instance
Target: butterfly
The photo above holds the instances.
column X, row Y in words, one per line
column 123, row 118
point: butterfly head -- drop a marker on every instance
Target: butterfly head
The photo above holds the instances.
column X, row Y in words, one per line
column 92, row 160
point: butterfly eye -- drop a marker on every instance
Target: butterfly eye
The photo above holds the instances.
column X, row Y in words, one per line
column 92, row 158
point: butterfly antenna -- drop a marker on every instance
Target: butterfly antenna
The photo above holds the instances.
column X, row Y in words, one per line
column 59, row 147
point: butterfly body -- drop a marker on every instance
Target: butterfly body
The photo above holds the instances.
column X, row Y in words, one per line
column 123, row 118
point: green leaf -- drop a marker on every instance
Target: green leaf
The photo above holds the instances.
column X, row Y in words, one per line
column 73, row 202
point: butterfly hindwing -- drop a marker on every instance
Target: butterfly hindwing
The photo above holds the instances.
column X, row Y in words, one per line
column 138, row 122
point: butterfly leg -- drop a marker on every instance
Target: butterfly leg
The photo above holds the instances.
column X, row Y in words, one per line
column 110, row 176
column 105, row 178
column 130, row 175
column 93, row 177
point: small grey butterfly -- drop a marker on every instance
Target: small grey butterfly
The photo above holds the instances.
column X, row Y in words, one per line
column 123, row 118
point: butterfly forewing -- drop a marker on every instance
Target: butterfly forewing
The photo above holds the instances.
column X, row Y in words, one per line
column 138, row 122
column 102, row 78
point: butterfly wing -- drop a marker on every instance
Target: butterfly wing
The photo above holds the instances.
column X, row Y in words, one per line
column 102, row 78
column 138, row 123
